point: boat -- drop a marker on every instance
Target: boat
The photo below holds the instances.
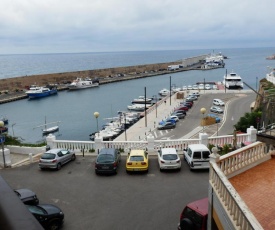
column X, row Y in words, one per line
column 164, row 92
column 142, row 100
column 40, row 91
column 46, row 130
column 80, row 83
column 138, row 107
column 5, row 120
column 232, row 80
column 4, row 129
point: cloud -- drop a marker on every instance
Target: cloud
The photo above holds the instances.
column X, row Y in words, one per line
column 117, row 25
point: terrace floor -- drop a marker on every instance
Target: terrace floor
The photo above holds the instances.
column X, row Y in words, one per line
column 257, row 188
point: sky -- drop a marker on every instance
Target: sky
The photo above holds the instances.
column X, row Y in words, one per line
column 72, row 26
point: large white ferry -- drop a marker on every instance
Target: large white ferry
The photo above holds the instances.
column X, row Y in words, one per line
column 232, row 81
column 80, row 83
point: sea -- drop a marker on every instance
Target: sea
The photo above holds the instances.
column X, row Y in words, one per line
column 74, row 110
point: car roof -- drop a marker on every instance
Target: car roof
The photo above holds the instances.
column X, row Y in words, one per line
column 165, row 151
column 137, row 152
column 201, row 206
column 54, row 151
column 110, row 151
column 198, row 147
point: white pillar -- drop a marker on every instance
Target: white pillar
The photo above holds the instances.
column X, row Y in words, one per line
column 151, row 140
column 98, row 142
column 203, row 139
column 7, row 158
column 50, row 141
column 252, row 134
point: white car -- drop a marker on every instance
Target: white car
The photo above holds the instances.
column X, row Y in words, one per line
column 174, row 117
column 215, row 87
column 195, row 87
column 168, row 158
column 218, row 102
column 189, row 87
column 216, row 109
column 184, row 87
column 201, row 86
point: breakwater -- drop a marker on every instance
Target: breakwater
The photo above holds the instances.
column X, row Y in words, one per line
column 107, row 75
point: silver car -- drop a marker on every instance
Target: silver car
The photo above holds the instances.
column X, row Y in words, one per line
column 216, row 109
column 55, row 158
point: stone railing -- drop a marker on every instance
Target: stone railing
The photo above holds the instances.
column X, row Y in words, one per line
column 150, row 144
column 242, row 159
column 224, row 167
column 237, row 213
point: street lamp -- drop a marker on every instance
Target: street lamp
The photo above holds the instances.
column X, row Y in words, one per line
column 156, row 104
column 96, row 114
column 125, row 127
column 2, row 140
column 203, row 111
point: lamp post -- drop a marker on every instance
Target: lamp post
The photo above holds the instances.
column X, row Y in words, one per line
column 96, row 114
column 203, row 110
column 156, row 104
column 125, row 127
column 2, row 140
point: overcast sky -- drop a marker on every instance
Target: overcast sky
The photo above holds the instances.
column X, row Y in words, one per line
column 64, row 26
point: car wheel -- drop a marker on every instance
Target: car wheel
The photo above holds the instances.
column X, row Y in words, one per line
column 58, row 167
column 54, row 225
column 73, row 157
column 160, row 170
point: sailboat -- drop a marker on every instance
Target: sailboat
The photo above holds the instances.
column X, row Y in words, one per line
column 46, row 129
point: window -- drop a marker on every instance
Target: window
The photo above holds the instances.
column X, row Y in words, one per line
column 197, row 155
column 48, row 156
column 136, row 158
column 205, row 154
column 105, row 158
column 189, row 152
column 170, row 157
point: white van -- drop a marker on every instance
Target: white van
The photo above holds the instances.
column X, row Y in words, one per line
column 218, row 102
column 197, row 156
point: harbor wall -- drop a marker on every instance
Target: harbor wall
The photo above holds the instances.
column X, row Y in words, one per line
column 105, row 75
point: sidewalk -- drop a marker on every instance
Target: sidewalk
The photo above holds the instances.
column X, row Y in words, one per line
column 141, row 129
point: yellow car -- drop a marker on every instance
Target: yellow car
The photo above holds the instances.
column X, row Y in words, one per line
column 137, row 160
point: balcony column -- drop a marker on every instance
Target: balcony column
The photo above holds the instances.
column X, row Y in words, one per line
column 203, row 139
column 252, row 134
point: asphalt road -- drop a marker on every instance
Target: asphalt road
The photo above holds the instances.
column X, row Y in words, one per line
column 236, row 105
column 123, row 201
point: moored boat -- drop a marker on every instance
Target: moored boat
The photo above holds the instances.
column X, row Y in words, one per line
column 37, row 92
column 232, row 81
column 138, row 107
column 164, row 92
column 142, row 100
column 80, row 83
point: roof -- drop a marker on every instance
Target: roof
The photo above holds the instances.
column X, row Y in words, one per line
column 201, row 206
column 165, row 151
column 198, row 147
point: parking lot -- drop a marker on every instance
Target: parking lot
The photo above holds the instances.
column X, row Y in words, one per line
column 123, row 201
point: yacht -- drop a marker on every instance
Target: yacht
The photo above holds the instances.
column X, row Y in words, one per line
column 142, row 100
column 164, row 92
column 232, row 80
column 80, row 83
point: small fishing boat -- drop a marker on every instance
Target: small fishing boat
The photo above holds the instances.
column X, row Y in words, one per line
column 142, row 100
column 46, row 130
column 37, row 92
column 80, row 83
column 138, row 107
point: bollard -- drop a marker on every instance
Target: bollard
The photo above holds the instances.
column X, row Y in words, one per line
column 31, row 157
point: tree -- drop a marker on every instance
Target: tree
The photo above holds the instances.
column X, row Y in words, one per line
column 249, row 119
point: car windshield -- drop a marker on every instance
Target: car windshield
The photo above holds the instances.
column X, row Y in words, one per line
column 105, row 158
column 170, row 157
column 36, row 210
column 48, row 156
column 136, row 158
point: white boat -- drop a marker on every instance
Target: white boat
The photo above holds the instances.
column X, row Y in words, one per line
column 164, row 92
column 138, row 107
column 80, row 83
column 232, row 80
column 142, row 100
column 46, row 129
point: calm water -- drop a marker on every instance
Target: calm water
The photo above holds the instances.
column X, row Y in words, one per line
column 75, row 109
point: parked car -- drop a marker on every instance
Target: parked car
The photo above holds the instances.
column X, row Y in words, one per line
column 194, row 215
column 193, row 97
column 27, row 196
column 55, row 158
column 201, row 86
column 218, row 120
column 195, row 87
column 197, row 94
column 179, row 114
column 107, row 161
column 173, row 117
column 184, row 87
column 167, row 125
column 49, row 216
column 215, row 87
column 184, row 108
column 137, row 160
column 216, row 109
column 189, row 87
column 197, row 156
column 186, row 104
column 169, row 119
column 218, row 102
column 168, row 158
